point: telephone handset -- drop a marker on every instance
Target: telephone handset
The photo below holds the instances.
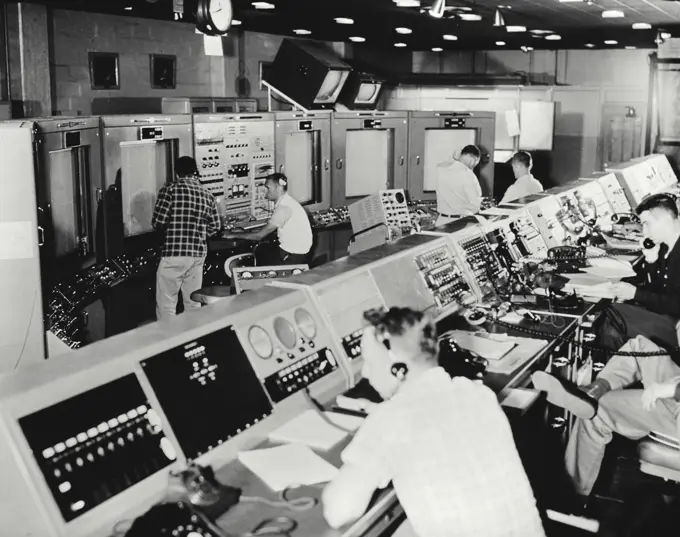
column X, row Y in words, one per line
column 648, row 244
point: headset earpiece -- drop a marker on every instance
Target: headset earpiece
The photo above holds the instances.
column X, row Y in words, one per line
column 399, row 370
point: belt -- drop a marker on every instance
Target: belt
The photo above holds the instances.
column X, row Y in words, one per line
column 452, row 215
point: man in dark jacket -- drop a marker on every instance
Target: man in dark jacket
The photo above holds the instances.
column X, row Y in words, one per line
column 655, row 291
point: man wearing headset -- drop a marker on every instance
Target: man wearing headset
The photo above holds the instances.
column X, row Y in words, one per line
column 444, row 443
column 289, row 220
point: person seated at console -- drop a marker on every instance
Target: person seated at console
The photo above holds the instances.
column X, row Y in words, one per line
column 289, row 220
column 606, row 406
column 458, row 190
column 655, row 289
column 444, row 443
column 525, row 184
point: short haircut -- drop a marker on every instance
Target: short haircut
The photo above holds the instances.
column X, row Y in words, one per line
column 523, row 158
column 666, row 202
column 279, row 179
column 471, row 150
column 186, row 167
column 397, row 321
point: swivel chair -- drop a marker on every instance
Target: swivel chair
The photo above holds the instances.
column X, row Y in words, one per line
column 212, row 293
column 660, row 456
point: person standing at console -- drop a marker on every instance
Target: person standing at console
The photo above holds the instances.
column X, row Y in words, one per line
column 186, row 214
column 289, row 220
column 458, row 190
column 525, row 184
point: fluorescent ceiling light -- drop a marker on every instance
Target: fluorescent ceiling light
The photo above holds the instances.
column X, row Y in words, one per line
column 470, row 17
column 437, row 49
column 404, row 31
column 512, row 29
column 612, row 14
column 400, row 45
column 569, row 1
column 665, row 35
column 553, row 37
column 590, row 45
column 540, row 32
column 642, row 26
column 263, row 5
column 500, row 43
column 128, row 8
column 236, row 22
column 343, row 20
column 357, row 39
column 611, row 42
column 407, row 3
column 449, row 37
column 300, row 31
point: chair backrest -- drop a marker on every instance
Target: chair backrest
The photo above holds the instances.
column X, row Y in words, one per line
column 240, row 260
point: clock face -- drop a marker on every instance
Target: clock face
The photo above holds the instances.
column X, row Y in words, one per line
column 221, row 14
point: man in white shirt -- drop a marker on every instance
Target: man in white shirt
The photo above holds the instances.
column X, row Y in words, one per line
column 458, row 190
column 289, row 220
column 445, row 444
column 525, row 184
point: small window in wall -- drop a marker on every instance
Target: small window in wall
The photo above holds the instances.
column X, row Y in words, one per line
column 104, row 71
column 163, row 71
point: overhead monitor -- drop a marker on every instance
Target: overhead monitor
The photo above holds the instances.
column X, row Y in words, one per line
column 208, row 391
column 93, row 446
column 361, row 91
column 331, row 86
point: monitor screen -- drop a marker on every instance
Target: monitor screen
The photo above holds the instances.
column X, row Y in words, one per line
column 330, row 89
column 208, row 391
column 97, row 444
column 368, row 92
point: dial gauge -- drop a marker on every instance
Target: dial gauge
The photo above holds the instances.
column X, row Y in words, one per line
column 260, row 342
column 305, row 323
column 285, row 332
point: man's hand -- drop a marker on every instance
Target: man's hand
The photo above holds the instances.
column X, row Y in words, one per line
column 623, row 291
column 658, row 390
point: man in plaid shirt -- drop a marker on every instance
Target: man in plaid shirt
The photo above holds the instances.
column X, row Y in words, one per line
column 445, row 444
column 187, row 215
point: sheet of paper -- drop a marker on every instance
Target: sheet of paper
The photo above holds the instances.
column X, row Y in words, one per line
column 16, row 240
column 288, row 465
column 488, row 348
column 612, row 269
column 212, row 45
column 526, row 348
column 512, row 122
column 310, row 429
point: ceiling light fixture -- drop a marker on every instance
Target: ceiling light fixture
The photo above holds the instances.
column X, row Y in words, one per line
column 540, row 32
column 589, row 2
column 524, row 48
column 301, row 31
column 553, row 37
column 665, row 35
column 611, row 42
column 236, row 22
column 612, row 14
column 438, row 8
column 263, row 5
column 449, row 37
column 128, row 8
column 403, row 31
column 569, row 1
column 344, row 20
column 400, row 45
column 500, row 43
column 590, row 45
column 437, row 49
column 498, row 19
column 513, row 29
column 642, row 26
column 407, row 3
column 357, row 39
column 470, row 17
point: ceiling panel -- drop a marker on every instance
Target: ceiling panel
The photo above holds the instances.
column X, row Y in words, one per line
column 577, row 22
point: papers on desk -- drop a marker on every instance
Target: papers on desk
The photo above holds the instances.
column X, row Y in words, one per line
column 489, row 346
column 598, row 291
column 611, row 269
column 310, row 429
column 288, row 465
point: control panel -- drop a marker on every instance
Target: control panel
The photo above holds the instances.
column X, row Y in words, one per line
column 614, row 193
column 439, row 270
column 386, row 207
column 330, row 217
column 289, row 345
column 515, row 239
column 638, row 179
column 234, row 155
column 93, row 446
column 250, row 278
column 482, row 263
column 556, row 223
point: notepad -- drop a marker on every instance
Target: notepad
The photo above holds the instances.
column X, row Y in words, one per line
column 288, row 465
column 310, row 429
column 485, row 346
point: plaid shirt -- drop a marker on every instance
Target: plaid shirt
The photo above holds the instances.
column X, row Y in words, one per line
column 447, row 447
column 187, row 214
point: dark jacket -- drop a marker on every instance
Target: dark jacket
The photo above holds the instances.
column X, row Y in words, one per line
column 658, row 284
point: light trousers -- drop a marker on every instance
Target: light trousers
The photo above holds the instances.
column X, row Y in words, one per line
column 621, row 411
column 175, row 274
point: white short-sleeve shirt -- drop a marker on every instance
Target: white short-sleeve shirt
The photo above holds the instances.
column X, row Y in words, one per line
column 458, row 191
column 523, row 186
column 293, row 227
column 448, row 449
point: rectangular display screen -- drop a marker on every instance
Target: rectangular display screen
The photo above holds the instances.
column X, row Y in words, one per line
column 97, row 444
column 208, row 391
